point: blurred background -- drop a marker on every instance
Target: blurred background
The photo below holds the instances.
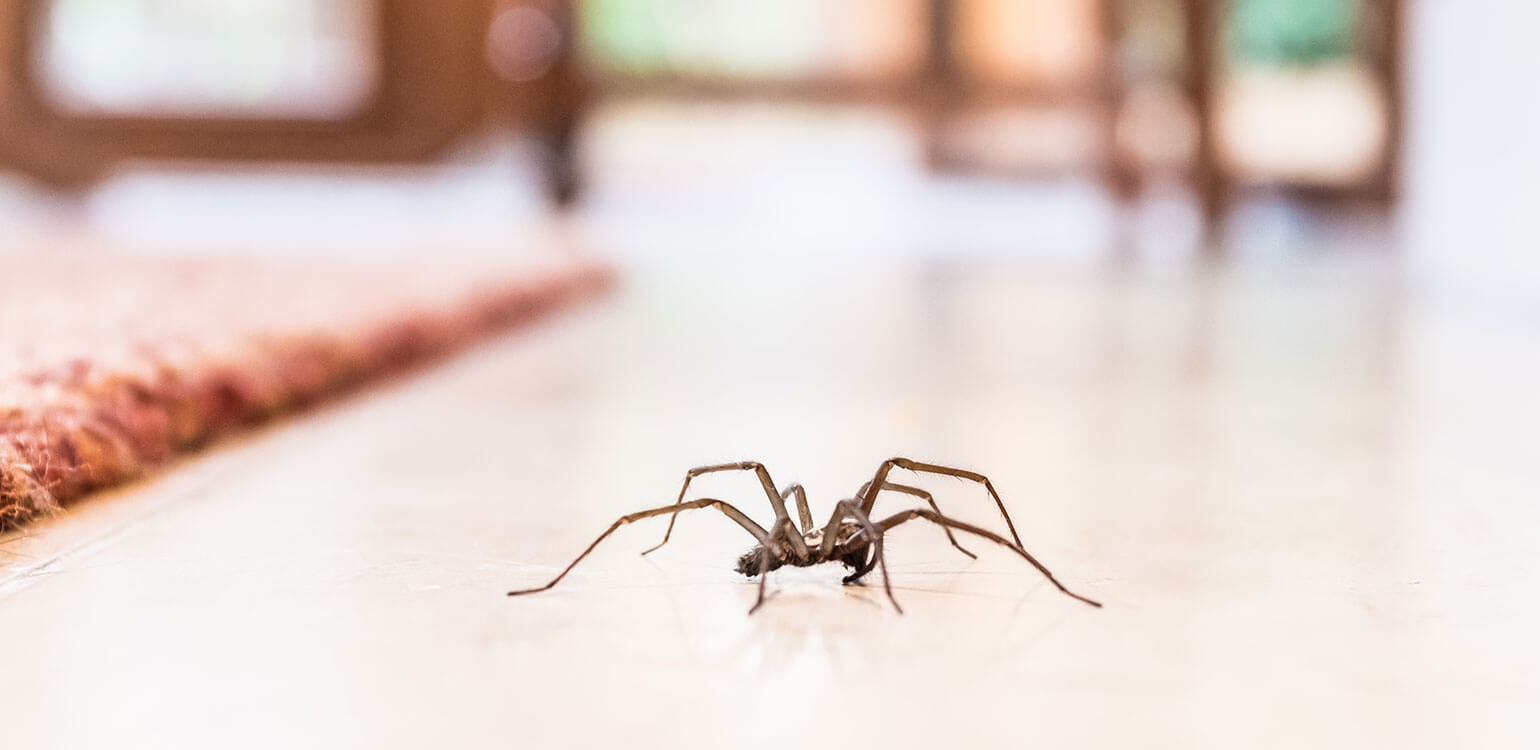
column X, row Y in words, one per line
column 1237, row 301
column 1073, row 128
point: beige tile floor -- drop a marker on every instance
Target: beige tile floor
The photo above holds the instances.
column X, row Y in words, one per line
column 1306, row 492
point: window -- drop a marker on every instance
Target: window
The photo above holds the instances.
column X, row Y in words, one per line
column 279, row 59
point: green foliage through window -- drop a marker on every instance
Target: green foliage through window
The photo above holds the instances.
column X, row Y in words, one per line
column 1293, row 32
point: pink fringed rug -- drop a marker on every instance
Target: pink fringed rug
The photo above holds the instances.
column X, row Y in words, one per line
column 112, row 364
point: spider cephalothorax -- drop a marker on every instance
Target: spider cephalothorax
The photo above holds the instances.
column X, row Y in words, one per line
column 850, row 537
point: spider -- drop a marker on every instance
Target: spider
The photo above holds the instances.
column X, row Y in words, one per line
column 850, row 537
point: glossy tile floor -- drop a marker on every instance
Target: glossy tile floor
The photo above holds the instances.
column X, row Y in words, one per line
column 1305, row 490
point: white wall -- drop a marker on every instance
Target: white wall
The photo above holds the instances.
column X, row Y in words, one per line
column 1472, row 177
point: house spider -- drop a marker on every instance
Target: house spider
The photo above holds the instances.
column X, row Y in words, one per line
column 850, row 538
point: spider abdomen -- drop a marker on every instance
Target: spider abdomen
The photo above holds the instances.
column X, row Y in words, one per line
column 750, row 563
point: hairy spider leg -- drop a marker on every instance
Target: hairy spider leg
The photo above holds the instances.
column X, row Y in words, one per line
column 736, row 515
column 777, row 502
column 869, row 498
column 873, row 537
column 767, row 551
column 923, row 495
column 803, row 512
column 909, row 515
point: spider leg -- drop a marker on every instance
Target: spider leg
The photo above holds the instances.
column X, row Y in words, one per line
column 869, row 498
column 803, row 512
column 937, row 518
column 928, row 498
column 777, row 502
column 767, row 551
column 728, row 510
column 874, row 536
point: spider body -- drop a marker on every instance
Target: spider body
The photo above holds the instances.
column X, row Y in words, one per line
column 850, row 537
column 851, row 550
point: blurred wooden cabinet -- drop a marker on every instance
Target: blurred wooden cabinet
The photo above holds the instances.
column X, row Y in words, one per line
column 307, row 80
column 1227, row 95
column 1293, row 96
column 1304, row 98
